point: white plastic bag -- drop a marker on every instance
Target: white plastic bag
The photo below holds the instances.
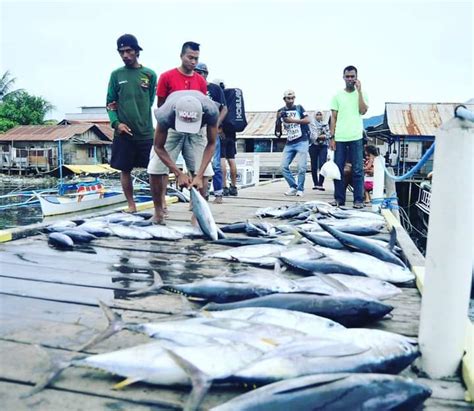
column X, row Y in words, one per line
column 330, row 170
column 331, row 154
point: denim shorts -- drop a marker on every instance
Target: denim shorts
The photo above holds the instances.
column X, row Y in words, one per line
column 190, row 145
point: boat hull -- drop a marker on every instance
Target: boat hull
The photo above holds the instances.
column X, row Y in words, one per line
column 56, row 205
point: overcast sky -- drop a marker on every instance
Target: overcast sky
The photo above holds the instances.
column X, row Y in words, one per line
column 414, row 51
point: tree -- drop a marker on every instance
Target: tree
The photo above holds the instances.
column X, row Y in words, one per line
column 6, row 85
column 21, row 108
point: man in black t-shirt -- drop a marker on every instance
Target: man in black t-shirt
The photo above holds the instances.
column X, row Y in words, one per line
column 216, row 94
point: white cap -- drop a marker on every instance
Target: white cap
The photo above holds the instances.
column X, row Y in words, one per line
column 188, row 115
column 288, row 93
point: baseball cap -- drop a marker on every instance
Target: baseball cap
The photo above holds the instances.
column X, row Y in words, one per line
column 128, row 40
column 288, row 93
column 201, row 67
column 188, row 115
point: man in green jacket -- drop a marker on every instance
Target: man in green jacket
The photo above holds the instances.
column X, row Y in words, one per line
column 130, row 96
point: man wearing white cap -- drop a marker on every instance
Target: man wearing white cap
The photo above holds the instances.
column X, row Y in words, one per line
column 295, row 120
column 179, row 120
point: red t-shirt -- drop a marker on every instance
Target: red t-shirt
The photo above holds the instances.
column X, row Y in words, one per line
column 173, row 80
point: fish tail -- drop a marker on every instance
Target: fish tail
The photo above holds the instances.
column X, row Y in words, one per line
column 201, row 382
column 115, row 324
column 56, row 367
column 155, row 287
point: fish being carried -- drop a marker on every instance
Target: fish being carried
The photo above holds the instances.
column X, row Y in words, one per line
column 203, row 215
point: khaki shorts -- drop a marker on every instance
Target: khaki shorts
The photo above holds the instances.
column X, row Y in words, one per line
column 190, row 145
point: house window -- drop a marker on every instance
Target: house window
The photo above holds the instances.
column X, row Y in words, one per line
column 90, row 152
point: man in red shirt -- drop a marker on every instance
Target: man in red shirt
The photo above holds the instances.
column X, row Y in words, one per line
column 181, row 78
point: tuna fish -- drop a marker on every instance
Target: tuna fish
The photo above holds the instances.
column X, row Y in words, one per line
column 97, row 228
column 166, row 364
column 346, row 310
column 133, row 233
column 78, row 235
column 374, row 351
column 320, row 265
column 333, row 392
column 369, row 265
column 310, row 324
column 236, row 287
column 60, row 240
column 203, row 215
column 357, row 243
column 161, row 232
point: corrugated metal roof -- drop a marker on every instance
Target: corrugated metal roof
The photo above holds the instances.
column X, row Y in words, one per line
column 104, row 125
column 419, row 119
column 48, row 133
column 262, row 123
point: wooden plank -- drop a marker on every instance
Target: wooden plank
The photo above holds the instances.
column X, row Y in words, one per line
column 55, row 301
column 56, row 400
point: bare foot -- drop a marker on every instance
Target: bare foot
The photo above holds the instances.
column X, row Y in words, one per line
column 159, row 217
column 130, row 210
column 157, row 221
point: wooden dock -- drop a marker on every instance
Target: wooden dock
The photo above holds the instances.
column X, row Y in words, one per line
column 50, row 298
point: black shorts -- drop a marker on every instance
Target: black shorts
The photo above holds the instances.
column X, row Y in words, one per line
column 128, row 153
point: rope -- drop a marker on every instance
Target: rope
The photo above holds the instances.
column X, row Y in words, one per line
column 420, row 164
column 390, row 203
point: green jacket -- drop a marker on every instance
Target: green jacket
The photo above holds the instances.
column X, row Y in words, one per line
column 133, row 90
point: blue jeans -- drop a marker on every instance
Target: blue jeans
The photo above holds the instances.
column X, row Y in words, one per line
column 318, row 154
column 289, row 153
column 216, row 165
column 354, row 151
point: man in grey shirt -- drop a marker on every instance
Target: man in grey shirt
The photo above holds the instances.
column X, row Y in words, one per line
column 183, row 114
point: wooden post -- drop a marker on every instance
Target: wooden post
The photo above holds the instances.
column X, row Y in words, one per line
column 378, row 190
column 392, row 192
column 447, row 284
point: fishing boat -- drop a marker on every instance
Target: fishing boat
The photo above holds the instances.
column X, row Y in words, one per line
column 80, row 196
column 424, row 202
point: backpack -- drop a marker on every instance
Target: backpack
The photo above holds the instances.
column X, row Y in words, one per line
column 235, row 117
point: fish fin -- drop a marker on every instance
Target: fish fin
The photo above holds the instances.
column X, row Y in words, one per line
column 115, row 324
column 321, row 379
column 56, row 367
column 187, row 308
column 334, row 283
column 198, row 299
column 393, row 239
column 201, row 382
column 156, row 286
column 270, row 341
column 126, row 382
column 206, row 313
column 277, row 268
column 297, row 237
column 220, row 234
